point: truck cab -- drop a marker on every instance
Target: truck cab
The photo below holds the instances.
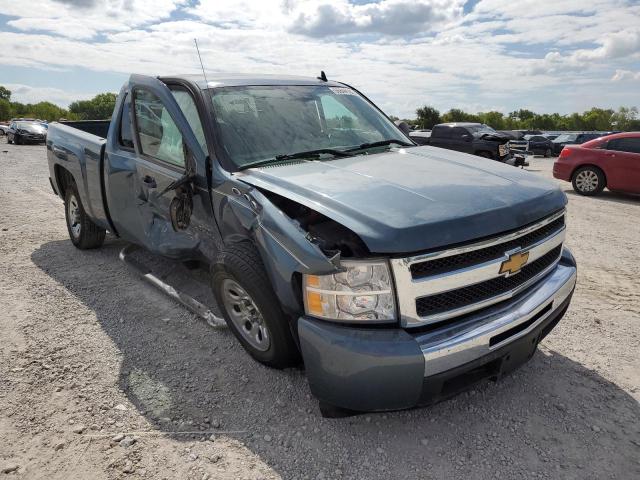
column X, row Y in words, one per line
column 396, row 273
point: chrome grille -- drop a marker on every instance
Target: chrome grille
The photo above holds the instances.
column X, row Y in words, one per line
column 442, row 285
column 474, row 257
column 465, row 296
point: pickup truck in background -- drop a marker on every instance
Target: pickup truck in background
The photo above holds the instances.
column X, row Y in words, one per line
column 399, row 274
column 474, row 138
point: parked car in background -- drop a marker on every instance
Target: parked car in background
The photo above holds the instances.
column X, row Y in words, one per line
column 3, row 128
column 421, row 137
column 539, row 145
column 612, row 161
column 475, row 138
column 26, row 132
column 551, row 136
column 572, row 139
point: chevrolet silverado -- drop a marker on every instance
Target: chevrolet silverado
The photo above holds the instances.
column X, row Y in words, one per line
column 398, row 274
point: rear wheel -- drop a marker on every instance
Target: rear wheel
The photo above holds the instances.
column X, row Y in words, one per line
column 251, row 308
column 547, row 153
column 84, row 234
column 588, row 181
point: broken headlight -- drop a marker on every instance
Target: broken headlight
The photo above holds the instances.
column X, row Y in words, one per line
column 362, row 292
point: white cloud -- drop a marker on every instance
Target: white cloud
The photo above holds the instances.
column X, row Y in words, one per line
column 28, row 94
column 624, row 75
column 86, row 18
column 544, row 54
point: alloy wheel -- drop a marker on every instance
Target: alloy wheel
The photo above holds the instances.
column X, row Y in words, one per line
column 74, row 216
column 587, row 181
column 245, row 315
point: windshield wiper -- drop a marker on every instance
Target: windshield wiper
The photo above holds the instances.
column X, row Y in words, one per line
column 381, row 143
column 291, row 156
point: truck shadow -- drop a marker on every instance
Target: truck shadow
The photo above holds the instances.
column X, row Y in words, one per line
column 182, row 375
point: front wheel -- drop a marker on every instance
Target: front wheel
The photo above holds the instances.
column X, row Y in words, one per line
column 251, row 308
column 547, row 153
column 588, row 181
column 84, row 234
column 9, row 139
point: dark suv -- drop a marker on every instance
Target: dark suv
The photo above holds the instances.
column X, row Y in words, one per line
column 573, row 139
column 539, row 145
column 475, row 138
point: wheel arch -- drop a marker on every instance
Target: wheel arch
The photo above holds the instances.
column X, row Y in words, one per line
column 63, row 178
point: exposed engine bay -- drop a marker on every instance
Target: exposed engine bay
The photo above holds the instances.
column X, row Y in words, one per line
column 331, row 237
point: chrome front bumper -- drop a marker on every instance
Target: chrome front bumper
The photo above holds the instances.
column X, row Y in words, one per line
column 463, row 342
column 375, row 369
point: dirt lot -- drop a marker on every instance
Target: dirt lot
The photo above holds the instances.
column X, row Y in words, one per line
column 89, row 354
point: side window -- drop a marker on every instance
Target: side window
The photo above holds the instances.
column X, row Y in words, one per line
column 188, row 106
column 631, row 145
column 458, row 132
column 125, row 136
column 158, row 134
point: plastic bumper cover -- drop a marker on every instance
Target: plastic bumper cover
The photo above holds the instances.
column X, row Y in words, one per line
column 369, row 369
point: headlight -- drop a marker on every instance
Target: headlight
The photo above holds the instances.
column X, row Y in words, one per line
column 362, row 292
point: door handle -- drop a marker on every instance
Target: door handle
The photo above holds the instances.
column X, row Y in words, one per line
column 149, row 182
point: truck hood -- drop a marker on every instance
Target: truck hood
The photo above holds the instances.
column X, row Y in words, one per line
column 414, row 199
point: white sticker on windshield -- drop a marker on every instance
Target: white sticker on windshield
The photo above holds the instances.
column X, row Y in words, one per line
column 342, row 91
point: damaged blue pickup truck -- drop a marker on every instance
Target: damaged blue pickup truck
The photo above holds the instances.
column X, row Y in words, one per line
column 398, row 274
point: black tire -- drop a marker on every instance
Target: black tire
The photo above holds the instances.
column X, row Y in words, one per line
column 9, row 140
column 84, row 234
column 17, row 140
column 241, row 264
column 588, row 181
column 547, row 153
column 488, row 155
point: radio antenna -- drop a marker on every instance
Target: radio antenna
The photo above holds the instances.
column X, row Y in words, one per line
column 201, row 64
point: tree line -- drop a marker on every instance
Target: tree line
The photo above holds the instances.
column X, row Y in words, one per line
column 101, row 106
column 599, row 119
column 98, row 108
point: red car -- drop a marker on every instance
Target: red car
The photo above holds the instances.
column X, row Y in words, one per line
column 612, row 161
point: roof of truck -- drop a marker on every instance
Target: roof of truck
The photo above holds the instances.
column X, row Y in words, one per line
column 244, row 79
column 458, row 124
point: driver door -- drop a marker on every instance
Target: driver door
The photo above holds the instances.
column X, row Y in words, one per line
column 167, row 150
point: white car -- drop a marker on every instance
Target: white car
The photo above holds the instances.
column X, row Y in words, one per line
column 3, row 129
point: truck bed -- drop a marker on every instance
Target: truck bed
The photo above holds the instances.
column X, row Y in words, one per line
column 99, row 128
column 78, row 148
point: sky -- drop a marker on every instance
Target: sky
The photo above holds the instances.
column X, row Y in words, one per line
column 478, row 55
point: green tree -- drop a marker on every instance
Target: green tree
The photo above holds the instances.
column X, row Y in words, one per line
column 99, row 107
column 597, row 119
column 5, row 109
column 457, row 115
column 493, row 119
column 427, row 117
column 625, row 119
column 5, row 94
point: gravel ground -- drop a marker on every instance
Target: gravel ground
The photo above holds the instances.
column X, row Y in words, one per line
column 101, row 376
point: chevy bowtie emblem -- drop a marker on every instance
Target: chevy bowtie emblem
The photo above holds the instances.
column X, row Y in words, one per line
column 515, row 262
